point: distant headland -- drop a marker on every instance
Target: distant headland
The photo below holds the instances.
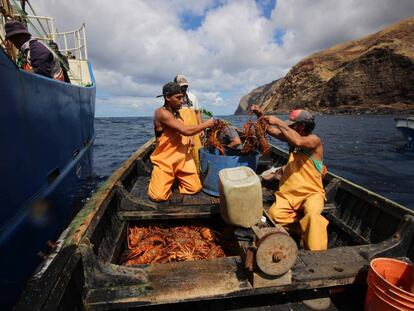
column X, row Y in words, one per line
column 374, row 74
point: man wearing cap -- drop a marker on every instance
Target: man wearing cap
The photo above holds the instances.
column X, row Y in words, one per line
column 34, row 56
column 190, row 113
column 301, row 196
column 172, row 158
column 64, row 63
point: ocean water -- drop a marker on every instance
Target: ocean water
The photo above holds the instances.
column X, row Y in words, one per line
column 364, row 149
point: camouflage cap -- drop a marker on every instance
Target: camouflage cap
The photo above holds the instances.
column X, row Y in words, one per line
column 299, row 116
column 181, row 80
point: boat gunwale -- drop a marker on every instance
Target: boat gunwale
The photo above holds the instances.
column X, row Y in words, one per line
column 85, row 216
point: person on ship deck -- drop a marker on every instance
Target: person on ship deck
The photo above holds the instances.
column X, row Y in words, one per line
column 64, row 63
column 34, row 56
column 301, row 196
column 172, row 158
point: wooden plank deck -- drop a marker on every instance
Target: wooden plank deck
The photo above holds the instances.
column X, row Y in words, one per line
column 226, row 277
column 139, row 190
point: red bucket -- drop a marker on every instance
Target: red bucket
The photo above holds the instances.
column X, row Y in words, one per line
column 390, row 283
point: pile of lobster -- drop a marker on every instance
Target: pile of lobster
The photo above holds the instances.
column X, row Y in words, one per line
column 213, row 135
column 253, row 136
column 161, row 245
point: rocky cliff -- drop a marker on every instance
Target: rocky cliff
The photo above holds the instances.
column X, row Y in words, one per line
column 373, row 74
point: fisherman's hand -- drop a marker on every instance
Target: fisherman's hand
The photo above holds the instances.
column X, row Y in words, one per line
column 256, row 110
column 190, row 144
column 209, row 122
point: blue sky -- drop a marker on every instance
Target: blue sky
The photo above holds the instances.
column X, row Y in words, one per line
column 192, row 21
column 225, row 48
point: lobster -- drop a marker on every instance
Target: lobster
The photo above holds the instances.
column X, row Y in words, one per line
column 254, row 134
column 212, row 136
column 183, row 243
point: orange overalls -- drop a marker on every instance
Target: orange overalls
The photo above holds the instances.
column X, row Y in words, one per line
column 189, row 115
column 301, row 193
column 172, row 160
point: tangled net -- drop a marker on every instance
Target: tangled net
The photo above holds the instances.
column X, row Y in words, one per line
column 184, row 243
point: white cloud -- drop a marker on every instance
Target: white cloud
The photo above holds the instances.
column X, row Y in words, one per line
column 213, row 98
column 126, row 106
column 137, row 46
column 323, row 23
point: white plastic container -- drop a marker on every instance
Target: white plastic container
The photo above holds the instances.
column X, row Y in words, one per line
column 240, row 196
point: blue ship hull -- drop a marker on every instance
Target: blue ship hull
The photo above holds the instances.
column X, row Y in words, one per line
column 46, row 134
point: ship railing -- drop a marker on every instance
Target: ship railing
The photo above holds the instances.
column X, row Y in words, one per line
column 73, row 41
column 72, row 44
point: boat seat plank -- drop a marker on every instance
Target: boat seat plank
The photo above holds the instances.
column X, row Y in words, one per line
column 190, row 212
column 200, row 198
column 198, row 278
column 139, row 190
column 176, row 198
column 226, row 277
column 189, row 280
column 338, row 263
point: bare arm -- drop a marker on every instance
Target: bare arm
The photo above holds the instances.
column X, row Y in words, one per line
column 234, row 143
column 310, row 142
column 166, row 118
column 275, row 132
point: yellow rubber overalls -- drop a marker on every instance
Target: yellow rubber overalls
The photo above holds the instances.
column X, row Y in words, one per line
column 189, row 115
column 172, row 160
column 301, row 198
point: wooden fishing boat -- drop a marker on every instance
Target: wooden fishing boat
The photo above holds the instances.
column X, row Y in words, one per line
column 84, row 271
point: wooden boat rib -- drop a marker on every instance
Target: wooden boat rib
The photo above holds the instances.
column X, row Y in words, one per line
column 84, row 272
